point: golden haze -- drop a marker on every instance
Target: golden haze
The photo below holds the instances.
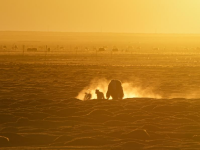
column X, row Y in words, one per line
column 137, row 16
column 44, row 76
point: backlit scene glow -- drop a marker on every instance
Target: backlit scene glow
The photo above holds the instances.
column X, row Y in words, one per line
column 99, row 74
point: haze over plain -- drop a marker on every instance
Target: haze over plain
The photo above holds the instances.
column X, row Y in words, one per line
column 130, row 16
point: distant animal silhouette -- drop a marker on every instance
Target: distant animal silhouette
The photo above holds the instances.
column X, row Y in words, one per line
column 87, row 96
column 100, row 95
column 101, row 49
column 115, row 90
column 115, row 50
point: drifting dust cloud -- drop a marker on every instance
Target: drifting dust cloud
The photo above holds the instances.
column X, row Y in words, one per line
column 100, row 84
column 187, row 94
column 130, row 91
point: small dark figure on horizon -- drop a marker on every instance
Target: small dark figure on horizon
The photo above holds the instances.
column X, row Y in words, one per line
column 115, row 90
column 100, row 95
column 87, row 96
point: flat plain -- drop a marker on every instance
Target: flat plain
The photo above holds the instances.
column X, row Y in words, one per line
column 42, row 92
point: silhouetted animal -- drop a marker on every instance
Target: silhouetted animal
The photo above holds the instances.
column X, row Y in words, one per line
column 115, row 90
column 101, row 49
column 87, row 96
column 100, row 95
column 115, row 50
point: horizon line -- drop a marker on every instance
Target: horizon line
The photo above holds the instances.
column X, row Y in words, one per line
column 100, row 32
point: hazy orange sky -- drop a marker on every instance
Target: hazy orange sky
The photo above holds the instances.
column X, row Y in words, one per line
column 135, row 16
